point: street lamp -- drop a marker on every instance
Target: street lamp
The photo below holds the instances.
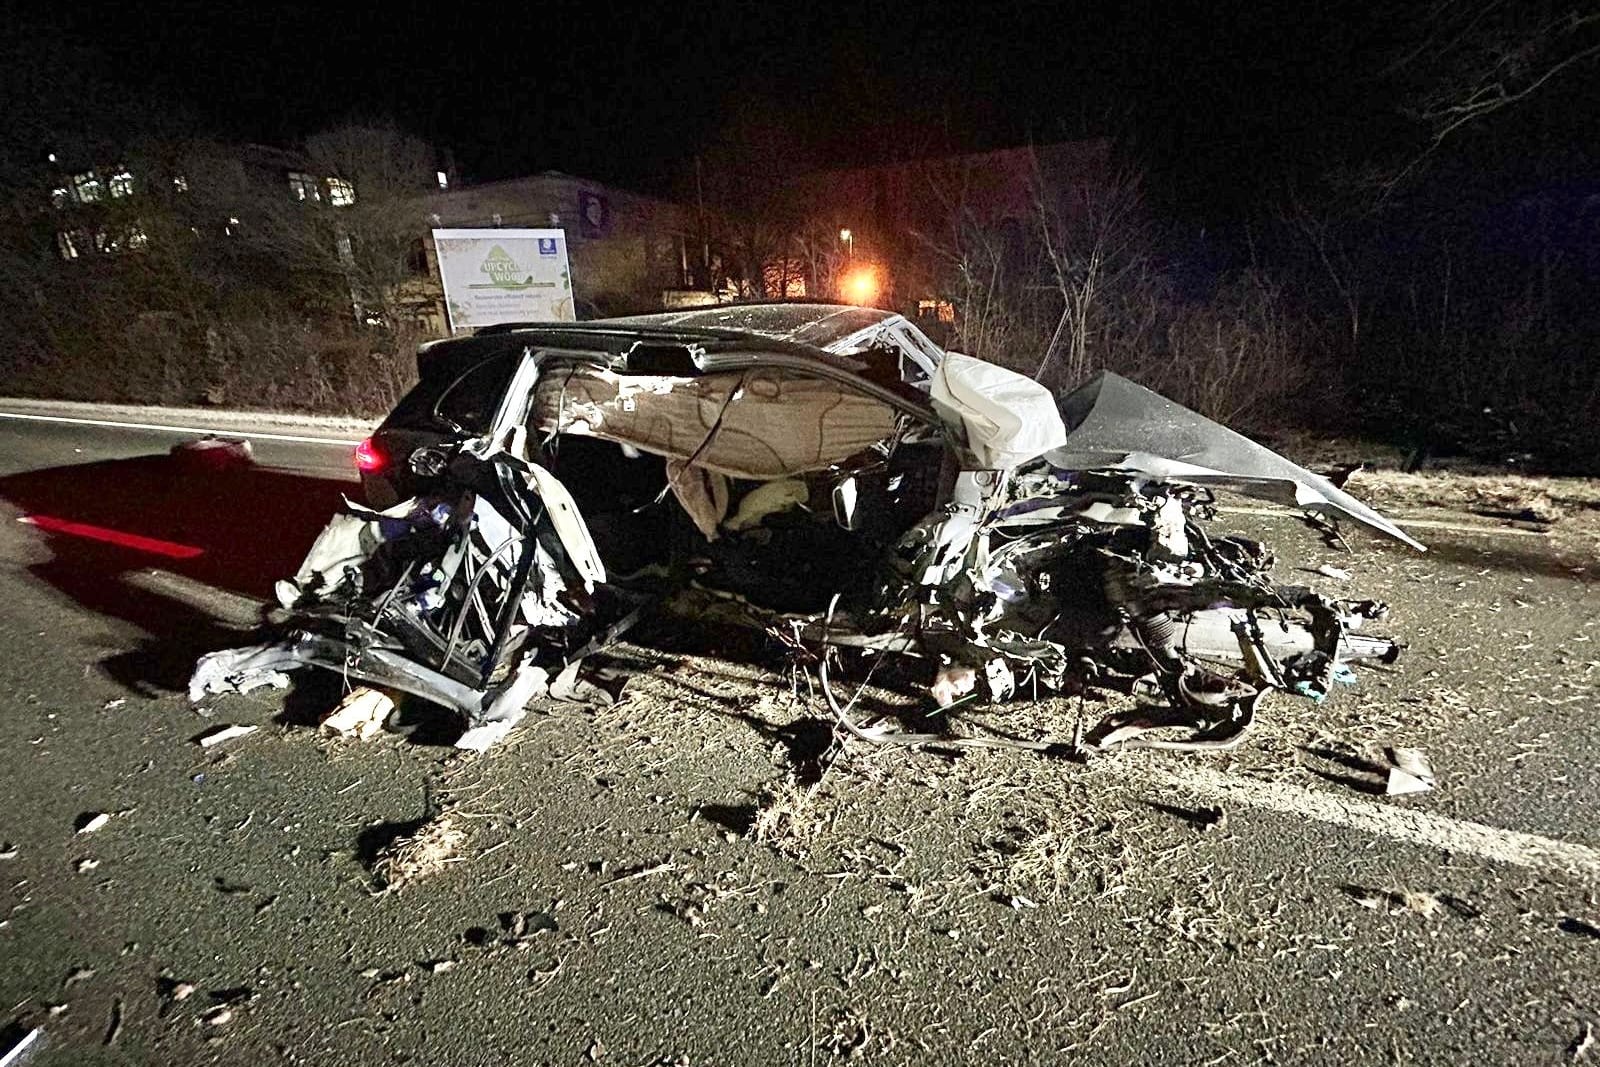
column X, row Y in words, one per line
column 849, row 240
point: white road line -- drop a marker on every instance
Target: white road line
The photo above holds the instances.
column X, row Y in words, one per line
column 246, row 435
column 1428, row 524
column 1387, row 820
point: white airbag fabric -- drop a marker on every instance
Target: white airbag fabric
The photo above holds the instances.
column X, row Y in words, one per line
column 1009, row 419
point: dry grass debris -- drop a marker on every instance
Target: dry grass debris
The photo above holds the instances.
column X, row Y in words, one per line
column 430, row 849
column 786, row 816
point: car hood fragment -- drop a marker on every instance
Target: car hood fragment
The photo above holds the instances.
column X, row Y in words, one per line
column 1115, row 424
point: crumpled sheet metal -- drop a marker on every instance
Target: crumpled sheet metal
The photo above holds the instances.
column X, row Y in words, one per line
column 348, row 540
column 490, row 714
column 1115, row 424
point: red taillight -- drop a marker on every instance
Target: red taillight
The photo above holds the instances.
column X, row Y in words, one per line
column 368, row 458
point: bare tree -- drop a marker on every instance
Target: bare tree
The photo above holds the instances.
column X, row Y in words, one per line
column 1093, row 235
column 745, row 182
column 351, row 227
column 1475, row 58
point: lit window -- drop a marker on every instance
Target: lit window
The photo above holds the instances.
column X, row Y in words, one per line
column 444, row 179
column 135, row 239
column 340, row 192
column 60, row 197
column 103, row 242
column 86, row 186
column 304, row 187
column 121, row 183
column 232, row 228
column 66, row 245
column 180, row 184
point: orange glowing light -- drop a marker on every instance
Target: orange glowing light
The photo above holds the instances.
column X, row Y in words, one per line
column 860, row 286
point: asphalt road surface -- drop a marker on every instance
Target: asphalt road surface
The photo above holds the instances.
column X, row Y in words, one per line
column 669, row 880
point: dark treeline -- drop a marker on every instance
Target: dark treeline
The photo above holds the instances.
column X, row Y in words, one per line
column 1388, row 227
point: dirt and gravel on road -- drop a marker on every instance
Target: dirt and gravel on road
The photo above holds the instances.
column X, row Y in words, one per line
column 703, row 874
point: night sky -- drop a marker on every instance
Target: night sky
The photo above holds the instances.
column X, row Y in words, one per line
column 1222, row 101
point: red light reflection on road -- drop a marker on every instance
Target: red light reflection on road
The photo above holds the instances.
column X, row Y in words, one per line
column 137, row 542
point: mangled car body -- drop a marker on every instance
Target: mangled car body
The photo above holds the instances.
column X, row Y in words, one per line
column 861, row 491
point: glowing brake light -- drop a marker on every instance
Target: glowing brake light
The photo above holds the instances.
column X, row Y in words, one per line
column 368, row 458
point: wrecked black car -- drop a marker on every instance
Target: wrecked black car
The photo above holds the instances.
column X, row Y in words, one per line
column 832, row 477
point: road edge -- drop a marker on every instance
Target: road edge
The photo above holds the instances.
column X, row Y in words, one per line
column 332, row 426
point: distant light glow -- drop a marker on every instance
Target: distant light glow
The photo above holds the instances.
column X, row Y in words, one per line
column 861, row 286
column 845, row 235
column 444, row 179
column 137, row 542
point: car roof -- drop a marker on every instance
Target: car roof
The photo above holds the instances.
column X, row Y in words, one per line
column 818, row 325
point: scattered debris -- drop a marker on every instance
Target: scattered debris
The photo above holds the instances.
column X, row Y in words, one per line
column 8, row 851
column 114, row 1028
column 1582, row 1043
column 24, row 1050
column 214, row 453
column 224, row 733
column 76, row 975
column 86, row 865
column 1409, row 772
column 439, row 966
column 361, row 715
column 221, row 1015
column 1328, row 570
column 91, row 821
column 113, row 705
column 430, row 849
column 953, row 683
column 647, row 871
column 1570, row 925
column 848, row 1033
column 784, row 816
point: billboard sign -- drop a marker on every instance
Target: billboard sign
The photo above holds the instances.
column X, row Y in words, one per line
column 492, row 276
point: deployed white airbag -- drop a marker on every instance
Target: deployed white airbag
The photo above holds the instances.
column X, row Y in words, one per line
column 1009, row 419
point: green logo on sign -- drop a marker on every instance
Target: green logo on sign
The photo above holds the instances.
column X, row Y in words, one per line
column 502, row 270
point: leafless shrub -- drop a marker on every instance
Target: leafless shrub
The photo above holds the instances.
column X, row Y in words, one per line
column 1236, row 357
column 1076, row 288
